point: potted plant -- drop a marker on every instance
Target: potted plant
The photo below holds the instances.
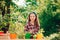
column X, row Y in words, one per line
column 1, row 32
column 20, row 30
column 12, row 31
column 3, row 24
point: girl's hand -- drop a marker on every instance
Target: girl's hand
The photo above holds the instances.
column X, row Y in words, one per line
column 31, row 31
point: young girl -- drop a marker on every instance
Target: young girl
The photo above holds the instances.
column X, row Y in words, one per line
column 32, row 26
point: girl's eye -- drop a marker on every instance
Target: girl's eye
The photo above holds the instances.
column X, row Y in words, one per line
column 32, row 16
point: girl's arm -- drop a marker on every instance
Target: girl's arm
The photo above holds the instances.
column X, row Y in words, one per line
column 36, row 30
column 26, row 28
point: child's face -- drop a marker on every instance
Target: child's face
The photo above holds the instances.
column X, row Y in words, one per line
column 32, row 17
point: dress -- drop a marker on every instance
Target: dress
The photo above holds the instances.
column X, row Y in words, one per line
column 31, row 28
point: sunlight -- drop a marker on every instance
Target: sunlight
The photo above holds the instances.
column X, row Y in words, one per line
column 20, row 3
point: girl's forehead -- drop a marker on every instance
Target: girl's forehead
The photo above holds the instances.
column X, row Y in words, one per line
column 32, row 14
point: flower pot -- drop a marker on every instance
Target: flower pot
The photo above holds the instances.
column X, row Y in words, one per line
column 1, row 33
column 27, row 36
column 13, row 36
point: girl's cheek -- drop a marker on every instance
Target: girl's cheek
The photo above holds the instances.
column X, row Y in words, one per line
column 34, row 18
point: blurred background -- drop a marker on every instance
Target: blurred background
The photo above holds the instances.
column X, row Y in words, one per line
column 14, row 13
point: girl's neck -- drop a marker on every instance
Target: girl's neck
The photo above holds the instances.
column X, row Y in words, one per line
column 32, row 22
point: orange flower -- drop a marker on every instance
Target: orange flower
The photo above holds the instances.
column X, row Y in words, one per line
column 39, row 36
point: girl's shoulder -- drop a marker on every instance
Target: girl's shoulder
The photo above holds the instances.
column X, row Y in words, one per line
column 27, row 25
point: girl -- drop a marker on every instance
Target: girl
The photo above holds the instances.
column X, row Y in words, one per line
column 32, row 26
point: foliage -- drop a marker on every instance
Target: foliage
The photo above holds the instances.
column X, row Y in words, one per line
column 48, row 12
